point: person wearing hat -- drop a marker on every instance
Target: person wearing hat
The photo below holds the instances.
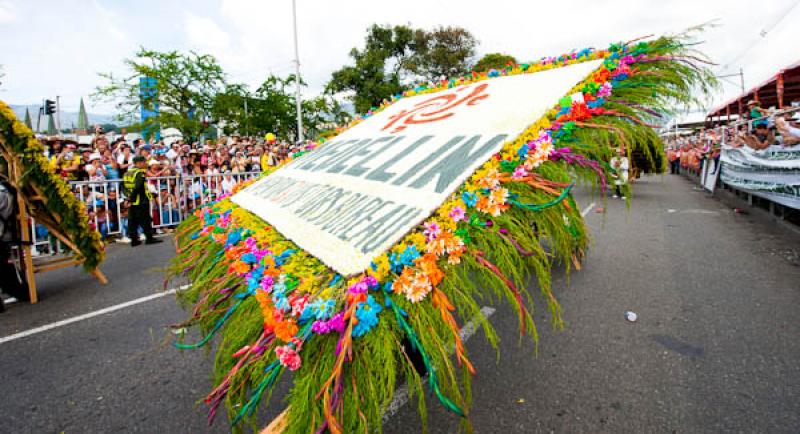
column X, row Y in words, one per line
column 138, row 196
column 68, row 163
column 96, row 170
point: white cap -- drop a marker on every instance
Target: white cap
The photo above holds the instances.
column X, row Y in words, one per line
column 95, row 156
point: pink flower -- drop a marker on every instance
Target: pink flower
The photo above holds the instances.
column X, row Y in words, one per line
column 266, row 283
column 457, row 214
column 288, row 357
column 359, row 288
column 370, row 281
column 432, row 231
column 519, row 172
column 605, row 89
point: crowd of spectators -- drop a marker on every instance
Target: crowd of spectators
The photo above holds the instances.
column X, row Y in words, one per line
column 760, row 130
column 181, row 175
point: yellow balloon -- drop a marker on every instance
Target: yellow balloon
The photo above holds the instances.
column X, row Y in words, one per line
column 269, row 137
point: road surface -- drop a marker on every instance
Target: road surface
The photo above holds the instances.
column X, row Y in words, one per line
column 716, row 347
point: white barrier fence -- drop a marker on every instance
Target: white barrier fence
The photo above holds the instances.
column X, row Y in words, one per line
column 174, row 198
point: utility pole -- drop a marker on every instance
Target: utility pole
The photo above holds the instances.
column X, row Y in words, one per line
column 297, row 73
column 246, row 118
column 58, row 115
column 39, row 118
column 741, row 79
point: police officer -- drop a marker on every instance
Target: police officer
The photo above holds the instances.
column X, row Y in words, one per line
column 138, row 198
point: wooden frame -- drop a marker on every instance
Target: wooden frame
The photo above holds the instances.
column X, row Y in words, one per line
column 26, row 259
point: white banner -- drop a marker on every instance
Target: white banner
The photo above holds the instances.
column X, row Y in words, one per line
column 360, row 193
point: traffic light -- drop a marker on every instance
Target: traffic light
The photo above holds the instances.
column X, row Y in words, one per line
column 49, row 106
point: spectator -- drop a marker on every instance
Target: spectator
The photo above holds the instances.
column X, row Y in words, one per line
column 96, row 170
column 619, row 165
column 761, row 138
column 124, row 157
column 790, row 134
column 755, row 112
column 68, row 162
column 227, row 183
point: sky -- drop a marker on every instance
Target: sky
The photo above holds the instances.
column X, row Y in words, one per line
column 56, row 47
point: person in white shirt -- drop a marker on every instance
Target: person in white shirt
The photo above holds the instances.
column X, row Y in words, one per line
column 790, row 135
column 226, row 186
column 619, row 166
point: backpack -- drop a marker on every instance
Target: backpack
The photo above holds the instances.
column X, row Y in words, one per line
column 7, row 207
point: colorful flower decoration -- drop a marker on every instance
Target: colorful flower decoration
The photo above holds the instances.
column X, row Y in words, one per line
column 483, row 228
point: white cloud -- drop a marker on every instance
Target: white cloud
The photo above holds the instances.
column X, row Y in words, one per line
column 109, row 22
column 252, row 38
column 7, row 14
column 204, row 33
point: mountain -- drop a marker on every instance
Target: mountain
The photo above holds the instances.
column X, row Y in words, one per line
column 68, row 119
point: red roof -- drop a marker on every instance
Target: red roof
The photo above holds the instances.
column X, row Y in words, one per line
column 767, row 92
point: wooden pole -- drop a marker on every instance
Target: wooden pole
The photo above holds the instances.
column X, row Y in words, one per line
column 278, row 424
column 26, row 260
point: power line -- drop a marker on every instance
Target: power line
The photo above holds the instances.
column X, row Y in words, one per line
column 762, row 35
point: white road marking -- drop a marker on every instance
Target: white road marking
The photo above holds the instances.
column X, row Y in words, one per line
column 588, row 208
column 401, row 395
column 75, row 319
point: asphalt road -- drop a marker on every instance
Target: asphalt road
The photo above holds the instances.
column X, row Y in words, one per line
column 715, row 348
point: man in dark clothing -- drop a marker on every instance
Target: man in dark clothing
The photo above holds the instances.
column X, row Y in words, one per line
column 10, row 279
column 138, row 197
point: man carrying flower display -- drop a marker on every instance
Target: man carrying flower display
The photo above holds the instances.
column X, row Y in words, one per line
column 138, row 198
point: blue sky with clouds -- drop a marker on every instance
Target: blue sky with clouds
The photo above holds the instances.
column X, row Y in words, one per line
column 50, row 47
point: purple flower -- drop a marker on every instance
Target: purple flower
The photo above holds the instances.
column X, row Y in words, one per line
column 337, row 322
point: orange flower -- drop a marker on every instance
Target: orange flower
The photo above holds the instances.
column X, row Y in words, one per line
column 454, row 258
column 427, row 265
column 240, row 267
column 266, row 310
column 490, row 180
column 404, row 281
column 482, row 204
column 437, row 246
column 419, row 288
column 286, row 330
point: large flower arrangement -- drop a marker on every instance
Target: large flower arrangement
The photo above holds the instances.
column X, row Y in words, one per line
column 48, row 196
column 349, row 341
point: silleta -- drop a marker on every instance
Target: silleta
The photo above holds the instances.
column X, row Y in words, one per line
column 350, row 157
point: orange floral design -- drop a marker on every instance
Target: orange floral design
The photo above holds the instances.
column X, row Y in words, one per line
column 427, row 265
column 286, row 330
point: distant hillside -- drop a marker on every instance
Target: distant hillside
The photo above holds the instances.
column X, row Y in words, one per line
column 68, row 119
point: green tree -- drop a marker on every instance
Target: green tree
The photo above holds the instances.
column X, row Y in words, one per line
column 394, row 57
column 378, row 69
column 229, row 109
column 83, row 119
column 28, row 118
column 322, row 114
column 185, row 84
column 444, row 52
column 271, row 109
column 493, row 61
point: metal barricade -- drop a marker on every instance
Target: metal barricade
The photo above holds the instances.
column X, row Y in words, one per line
column 174, row 198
